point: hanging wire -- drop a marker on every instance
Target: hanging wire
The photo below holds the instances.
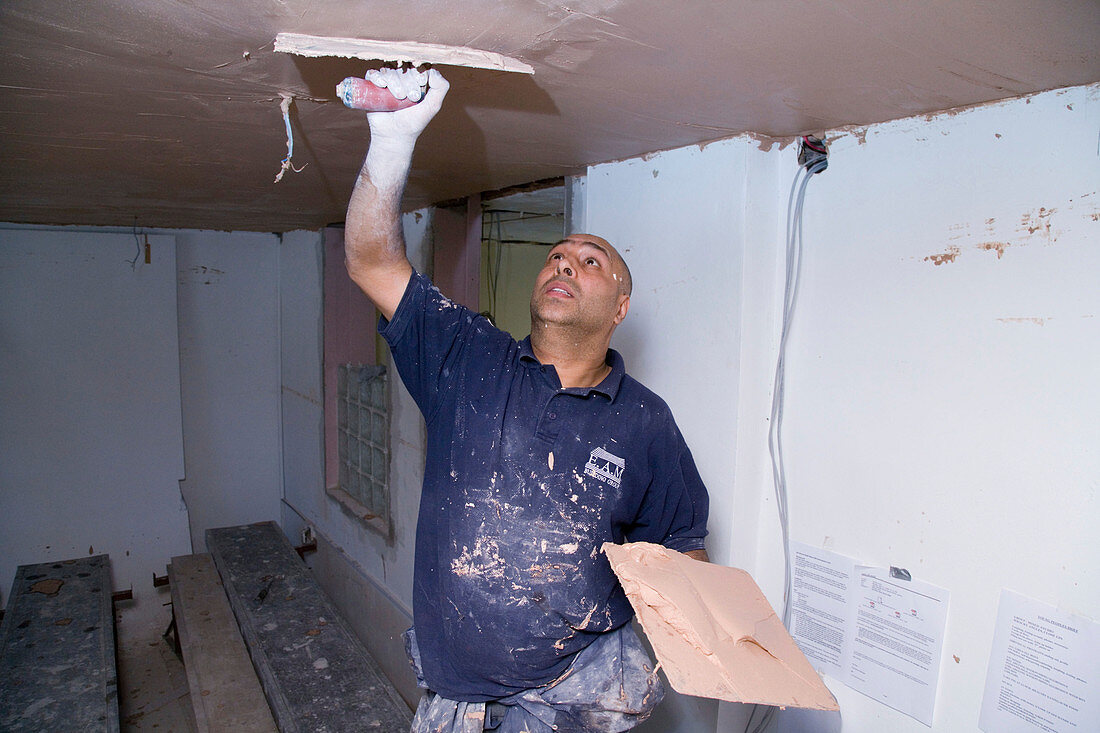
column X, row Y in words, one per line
column 499, row 256
column 487, row 238
column 792, row 275
column 287, row 164
column 493, row 262
column 492, row 236
column 137, row 243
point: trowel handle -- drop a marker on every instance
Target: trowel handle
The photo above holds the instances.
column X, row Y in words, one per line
column 359, row 93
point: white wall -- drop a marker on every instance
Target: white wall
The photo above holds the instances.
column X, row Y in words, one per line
column 940, row 417
column 301, row 344
column 203, row 315
column 91, row 444
column 944, row 417
column 229, row 364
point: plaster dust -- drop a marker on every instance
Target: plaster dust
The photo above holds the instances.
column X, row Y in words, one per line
column 713, row 630
column 404, row 51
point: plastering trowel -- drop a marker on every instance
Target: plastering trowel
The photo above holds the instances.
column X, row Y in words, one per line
column 361, row 94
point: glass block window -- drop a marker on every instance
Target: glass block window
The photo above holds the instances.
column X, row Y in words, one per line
column 364, row 434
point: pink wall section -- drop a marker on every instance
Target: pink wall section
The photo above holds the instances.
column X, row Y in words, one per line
column 349, row 326
column 457, row 252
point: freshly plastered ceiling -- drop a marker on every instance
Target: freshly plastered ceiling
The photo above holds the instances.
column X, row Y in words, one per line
column 167, row 113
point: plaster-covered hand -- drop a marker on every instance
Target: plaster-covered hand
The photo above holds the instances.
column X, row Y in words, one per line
column 404, row 126
column 401, row 83
column 393, row 135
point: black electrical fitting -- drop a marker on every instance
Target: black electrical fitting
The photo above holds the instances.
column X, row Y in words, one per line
column 812, row 154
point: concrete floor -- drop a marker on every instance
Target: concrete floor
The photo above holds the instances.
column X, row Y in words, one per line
column 152, row 684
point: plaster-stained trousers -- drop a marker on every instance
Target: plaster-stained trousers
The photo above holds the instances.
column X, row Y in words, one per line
column 611, row 686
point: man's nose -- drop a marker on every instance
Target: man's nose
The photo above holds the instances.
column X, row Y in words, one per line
column 564, row 268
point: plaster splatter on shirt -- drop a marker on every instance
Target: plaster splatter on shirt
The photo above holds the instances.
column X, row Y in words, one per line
column 483, row 560
column 443, row 302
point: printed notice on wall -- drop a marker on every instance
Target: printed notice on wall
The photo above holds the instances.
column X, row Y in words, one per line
column 879, row 634
column 1042, row 666
column 897, row 639
column 821, row 584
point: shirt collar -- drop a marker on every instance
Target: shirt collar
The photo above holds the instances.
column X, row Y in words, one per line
column 609, row 387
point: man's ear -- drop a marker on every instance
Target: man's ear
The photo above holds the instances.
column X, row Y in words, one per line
column 624, row 306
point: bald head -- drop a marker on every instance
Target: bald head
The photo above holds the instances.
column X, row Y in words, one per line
column 621, row 270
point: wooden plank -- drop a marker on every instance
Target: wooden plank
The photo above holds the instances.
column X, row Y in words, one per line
column 225, row 692
column 315, row 672
column 57, row 649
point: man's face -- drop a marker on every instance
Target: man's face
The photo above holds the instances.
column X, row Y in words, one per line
column 583, row 283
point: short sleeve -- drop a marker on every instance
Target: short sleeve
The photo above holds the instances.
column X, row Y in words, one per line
column 676, row 507
column 425, row 337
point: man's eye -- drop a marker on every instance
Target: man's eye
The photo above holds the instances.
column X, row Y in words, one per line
column 591, row 261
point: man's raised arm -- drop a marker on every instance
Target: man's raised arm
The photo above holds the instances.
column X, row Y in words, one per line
column 374, row 243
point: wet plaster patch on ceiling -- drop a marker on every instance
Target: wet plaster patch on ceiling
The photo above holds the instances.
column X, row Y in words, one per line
column 166, row 113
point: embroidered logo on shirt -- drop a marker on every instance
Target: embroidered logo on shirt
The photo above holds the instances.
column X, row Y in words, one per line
column 606, row 467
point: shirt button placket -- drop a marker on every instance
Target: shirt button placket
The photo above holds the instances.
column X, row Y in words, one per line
column 548, row 424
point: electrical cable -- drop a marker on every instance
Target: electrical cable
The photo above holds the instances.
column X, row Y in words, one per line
column 287, row 164
column 137, row 243
column 489, row 262
column 492, row 264
column 812, row 158
column 500, row 254
column 495, row 254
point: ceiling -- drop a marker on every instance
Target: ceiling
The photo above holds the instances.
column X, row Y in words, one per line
column 166, row 113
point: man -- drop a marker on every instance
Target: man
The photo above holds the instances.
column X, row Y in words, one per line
column 538, row 452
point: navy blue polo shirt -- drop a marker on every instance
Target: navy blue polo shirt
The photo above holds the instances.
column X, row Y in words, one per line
column 523, row 482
